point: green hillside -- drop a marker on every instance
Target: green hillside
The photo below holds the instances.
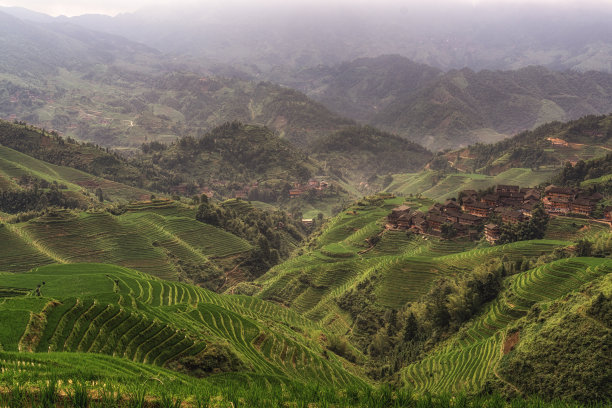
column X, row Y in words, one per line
column 399, row 267
column 471, row 358
column 234, row 153
column 363, row 282
column 133, row 317
column 552, row 144
column 527, row 159
column 231, row 159
column 161, row 238
column 361, row 153
column 440, row 185
column 15, row 165
column 51, row 148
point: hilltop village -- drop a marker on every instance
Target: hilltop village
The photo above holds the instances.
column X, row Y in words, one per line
column 509, row 204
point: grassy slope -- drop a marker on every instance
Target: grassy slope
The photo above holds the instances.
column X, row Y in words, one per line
column 587, row 137
column 431, row 184
column 98, row 308
column 14, row 164
column 470, row 357
column 149, row 237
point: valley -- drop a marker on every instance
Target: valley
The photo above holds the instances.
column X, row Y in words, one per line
column 400, row 215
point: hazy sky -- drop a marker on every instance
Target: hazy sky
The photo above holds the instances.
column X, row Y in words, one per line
column 113, row 7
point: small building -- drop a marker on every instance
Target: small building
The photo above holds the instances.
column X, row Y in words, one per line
column 582, row 206
column 437, row 208
column 404, row 221
column 491, row 199
column 308, row 222
column 528, row 206
column 295, row 192
column 477, row 209
column 492, row 233
column 511, row 198
column 512, row 216
column 399, row 213
column 469, row 219
column 467, row 200
column 451, row 204
column 557, row 205
column 419, row 224
column 559, row 192
column 531, row 194
column 436, row 221
column 557, row 142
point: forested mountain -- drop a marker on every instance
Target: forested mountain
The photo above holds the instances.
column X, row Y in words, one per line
column 115, row 92
column 363, row 152
column 464, row 107
column 33, row 51
column 460, row 107
column 230, row 158
column 116, row 102
column 361, row 88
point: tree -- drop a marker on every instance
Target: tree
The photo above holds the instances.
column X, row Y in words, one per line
column 448, row 231
column 584, row 247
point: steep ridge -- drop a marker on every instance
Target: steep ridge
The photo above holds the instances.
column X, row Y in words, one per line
column 470, row 358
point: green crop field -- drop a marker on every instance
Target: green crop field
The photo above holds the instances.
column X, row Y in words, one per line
column 429, row 184
column 469, row 358
column 148, row 236
column 115, row 311
column 14, row 165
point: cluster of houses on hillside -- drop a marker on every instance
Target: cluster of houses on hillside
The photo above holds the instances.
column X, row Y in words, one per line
column 299, row 189
column 510, row 203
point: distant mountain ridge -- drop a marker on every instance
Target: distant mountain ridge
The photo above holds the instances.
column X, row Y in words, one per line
column 447, row 35
column 32, row 50
column 460, row 107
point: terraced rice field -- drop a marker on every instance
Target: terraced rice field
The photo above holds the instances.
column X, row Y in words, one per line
column 126, row 314
column 424, row 182
column 142, row 238
column 569, row 228
column 404, row 266
column 18, row 254
column 469, row 357
column 14, row 164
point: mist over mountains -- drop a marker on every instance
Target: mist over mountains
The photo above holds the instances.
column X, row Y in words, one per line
column 265, row 37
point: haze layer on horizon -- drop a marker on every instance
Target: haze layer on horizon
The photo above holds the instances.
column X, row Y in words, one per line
column 71, row 8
